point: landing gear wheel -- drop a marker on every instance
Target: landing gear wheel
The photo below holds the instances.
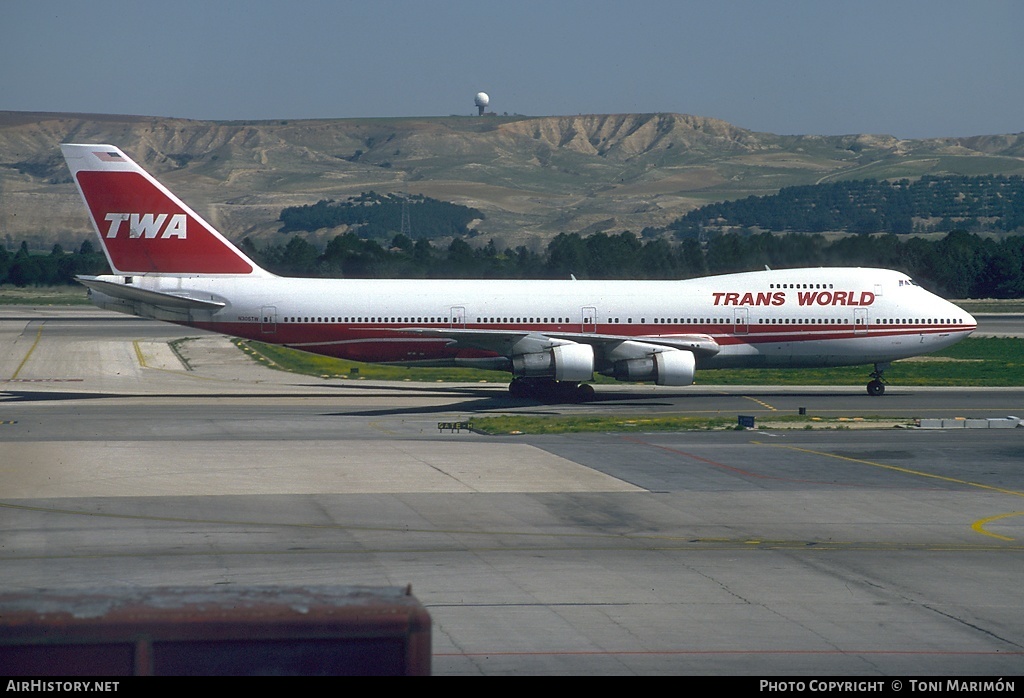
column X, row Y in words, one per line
column 584, row 392
column 877, row 385
column 519, row 388
column 548, row 390
column 533, row 388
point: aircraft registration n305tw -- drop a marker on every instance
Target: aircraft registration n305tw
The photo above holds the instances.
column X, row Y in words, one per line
column 552, row 336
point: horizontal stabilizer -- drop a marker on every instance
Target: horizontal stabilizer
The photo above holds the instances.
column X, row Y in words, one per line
column 140, row 295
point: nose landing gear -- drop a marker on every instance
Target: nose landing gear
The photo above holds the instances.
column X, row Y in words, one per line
column 877, row 384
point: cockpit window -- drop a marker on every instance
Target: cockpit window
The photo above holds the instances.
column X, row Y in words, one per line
column 907, row 282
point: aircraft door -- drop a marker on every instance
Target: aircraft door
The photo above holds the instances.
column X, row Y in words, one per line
column 268, row 319
column 860, row 320
column 458, row 316
column 740, row 321
column 589, row 319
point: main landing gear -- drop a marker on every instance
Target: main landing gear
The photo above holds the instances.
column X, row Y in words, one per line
column 549, row 390
column 877, row 384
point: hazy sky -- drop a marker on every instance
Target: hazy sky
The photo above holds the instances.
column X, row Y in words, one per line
column 910, row 68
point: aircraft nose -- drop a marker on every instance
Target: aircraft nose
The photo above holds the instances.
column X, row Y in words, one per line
column 965, row 318
column 971, row 321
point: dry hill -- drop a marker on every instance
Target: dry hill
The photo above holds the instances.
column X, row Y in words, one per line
column 532, row 177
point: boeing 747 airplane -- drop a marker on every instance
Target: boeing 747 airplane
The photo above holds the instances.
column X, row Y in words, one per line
column 552, row 336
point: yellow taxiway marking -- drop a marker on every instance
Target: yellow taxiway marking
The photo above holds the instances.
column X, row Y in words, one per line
column 762, row 404
column 24, row 361
column 138, row 354
column 978, row 526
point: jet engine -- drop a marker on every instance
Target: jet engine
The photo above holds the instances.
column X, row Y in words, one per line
column 564, row 362
column 666, row 367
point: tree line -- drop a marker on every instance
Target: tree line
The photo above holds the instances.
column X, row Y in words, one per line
column 22, row 268
column 959, row 265
column 929, row 204
column 380, row 216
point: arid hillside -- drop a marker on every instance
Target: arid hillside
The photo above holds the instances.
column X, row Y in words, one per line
column 531, row 177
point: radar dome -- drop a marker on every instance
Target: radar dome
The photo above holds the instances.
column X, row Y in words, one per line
column 482, row 99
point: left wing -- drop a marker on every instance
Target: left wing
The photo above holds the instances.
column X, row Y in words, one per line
column 512, row 342
column 575, row 356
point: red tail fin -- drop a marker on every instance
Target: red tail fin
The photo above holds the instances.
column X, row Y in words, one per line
column 143, row 227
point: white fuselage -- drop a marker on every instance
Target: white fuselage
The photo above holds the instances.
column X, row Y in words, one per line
column 780, row 318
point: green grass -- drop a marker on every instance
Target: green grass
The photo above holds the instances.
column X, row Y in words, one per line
column 992, row 305
column 43, row 295
column 295, row 361
column 518, row 424
column 984, row 361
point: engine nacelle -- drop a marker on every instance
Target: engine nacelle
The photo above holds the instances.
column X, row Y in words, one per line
column 565, row 362
column 669, row 367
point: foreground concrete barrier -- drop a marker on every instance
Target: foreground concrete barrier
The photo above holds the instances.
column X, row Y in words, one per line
column 206, row 631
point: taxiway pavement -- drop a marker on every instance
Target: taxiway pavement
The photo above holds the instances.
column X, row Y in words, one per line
column 764, row 552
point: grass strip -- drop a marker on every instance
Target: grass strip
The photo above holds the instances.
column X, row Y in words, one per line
column 975, row 362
